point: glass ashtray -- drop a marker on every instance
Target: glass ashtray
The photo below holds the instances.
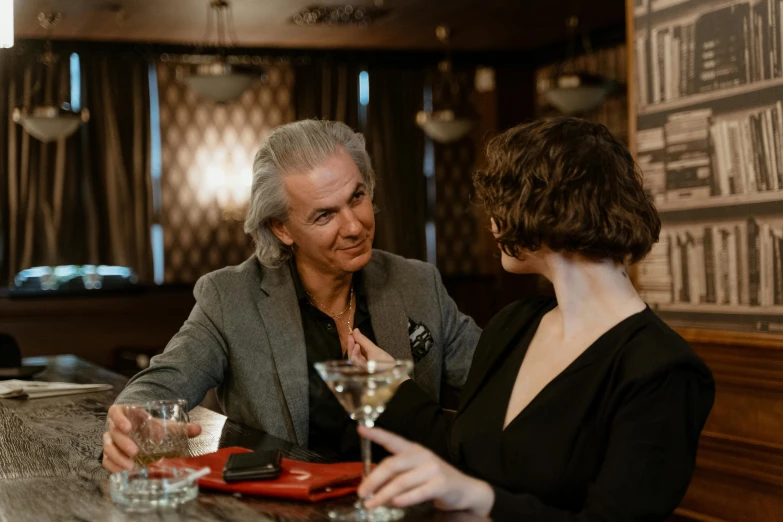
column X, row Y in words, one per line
column 144, row 490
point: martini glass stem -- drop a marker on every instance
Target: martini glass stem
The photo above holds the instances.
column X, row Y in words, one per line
column 366, row 446
column 366, row 456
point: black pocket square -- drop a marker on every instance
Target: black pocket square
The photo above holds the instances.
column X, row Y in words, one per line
column 421, row 340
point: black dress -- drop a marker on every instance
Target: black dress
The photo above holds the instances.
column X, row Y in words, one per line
column 613, row 437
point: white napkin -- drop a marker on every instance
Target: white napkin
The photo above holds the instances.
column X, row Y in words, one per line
column 15, row 389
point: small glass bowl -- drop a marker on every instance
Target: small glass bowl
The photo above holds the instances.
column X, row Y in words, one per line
column 144, row 490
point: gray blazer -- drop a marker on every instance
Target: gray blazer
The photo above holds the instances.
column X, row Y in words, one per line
column 245, row 337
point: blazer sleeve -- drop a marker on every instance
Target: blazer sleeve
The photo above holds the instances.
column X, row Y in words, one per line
column 650, row 456
column 193, row 362
column 460, row 336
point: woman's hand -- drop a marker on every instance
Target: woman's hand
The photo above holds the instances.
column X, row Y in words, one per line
column 361, row 349
column 413, row 474
column 118, row 448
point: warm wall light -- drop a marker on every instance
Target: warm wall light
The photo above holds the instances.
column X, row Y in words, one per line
column 6, row 23
column 225, row 180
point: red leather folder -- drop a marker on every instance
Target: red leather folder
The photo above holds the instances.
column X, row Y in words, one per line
column 298, row 480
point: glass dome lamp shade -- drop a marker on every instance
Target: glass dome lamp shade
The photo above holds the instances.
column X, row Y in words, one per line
column 443, row 126
column 454, row 120
column 572, row 91
column 48, row 123
column 219, row 81
column 219, row 77
column 578, row 93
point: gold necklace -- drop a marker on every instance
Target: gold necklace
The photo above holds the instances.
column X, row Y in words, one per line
column 332, row 314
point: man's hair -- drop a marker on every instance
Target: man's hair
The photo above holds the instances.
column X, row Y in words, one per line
column 300, row 146
column 569, row 185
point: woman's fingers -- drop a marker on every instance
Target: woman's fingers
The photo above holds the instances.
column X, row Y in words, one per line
column 385, row 472
column 407, row 455
column 370, row 350
column 398, row 485
column 363, row 341
column 426, row 491
column 358, row 358
column 393, row 443
column 368, row 347
column 354, row 351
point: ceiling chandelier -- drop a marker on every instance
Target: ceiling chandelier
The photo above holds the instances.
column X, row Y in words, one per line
column 49, row 122
column 575, row 92
column 341, row 14
column 218, row 77
column 447, row 124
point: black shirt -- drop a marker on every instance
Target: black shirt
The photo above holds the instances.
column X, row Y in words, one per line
column 332, row 432
column 613, row 437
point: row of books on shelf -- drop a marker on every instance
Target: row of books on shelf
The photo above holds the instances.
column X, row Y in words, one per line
column 729, row 263
column 696, row 156
column 642, row 7
column 733, row 45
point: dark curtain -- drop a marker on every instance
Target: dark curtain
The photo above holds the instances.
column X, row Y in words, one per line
column 396, row 146
column 118, row 159
column 84, row 199
column 327, row 88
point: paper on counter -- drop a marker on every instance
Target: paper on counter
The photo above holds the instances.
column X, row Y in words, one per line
column 15, row 389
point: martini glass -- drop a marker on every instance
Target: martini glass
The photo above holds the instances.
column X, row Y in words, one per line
column 364, row 388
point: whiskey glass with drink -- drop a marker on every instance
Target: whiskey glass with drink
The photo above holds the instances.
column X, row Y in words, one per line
column 363, row 389
column 159, row 429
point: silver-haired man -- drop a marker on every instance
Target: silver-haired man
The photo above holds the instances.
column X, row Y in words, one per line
column 257, row 328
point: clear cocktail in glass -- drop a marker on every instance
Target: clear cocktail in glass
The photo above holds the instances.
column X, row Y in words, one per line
column 364, row 389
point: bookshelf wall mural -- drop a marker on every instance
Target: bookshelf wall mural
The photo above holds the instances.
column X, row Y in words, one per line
column 709, row 140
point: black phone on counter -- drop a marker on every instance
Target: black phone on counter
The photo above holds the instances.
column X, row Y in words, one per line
column 255, row 465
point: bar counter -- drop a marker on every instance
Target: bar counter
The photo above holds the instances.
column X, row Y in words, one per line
column 50, row 468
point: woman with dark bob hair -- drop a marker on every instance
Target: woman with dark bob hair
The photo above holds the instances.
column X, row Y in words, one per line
column 579, row 407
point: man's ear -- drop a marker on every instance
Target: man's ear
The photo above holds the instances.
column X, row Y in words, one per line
column 281, row 231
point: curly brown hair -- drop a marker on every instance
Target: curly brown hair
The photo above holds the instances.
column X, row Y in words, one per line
column 567, row 184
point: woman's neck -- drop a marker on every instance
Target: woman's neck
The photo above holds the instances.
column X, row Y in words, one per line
column 591, row 294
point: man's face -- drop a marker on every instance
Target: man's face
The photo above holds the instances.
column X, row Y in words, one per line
column 331, row 223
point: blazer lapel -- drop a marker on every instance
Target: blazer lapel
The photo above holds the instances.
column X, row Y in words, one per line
column 282, row 318
column 387, row 312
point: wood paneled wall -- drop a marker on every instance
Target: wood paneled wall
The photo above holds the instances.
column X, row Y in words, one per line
column 739, row 472
column 97, row 327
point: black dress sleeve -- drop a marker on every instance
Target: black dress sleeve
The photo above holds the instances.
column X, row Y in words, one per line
column 649, row 460
column 410, row 410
